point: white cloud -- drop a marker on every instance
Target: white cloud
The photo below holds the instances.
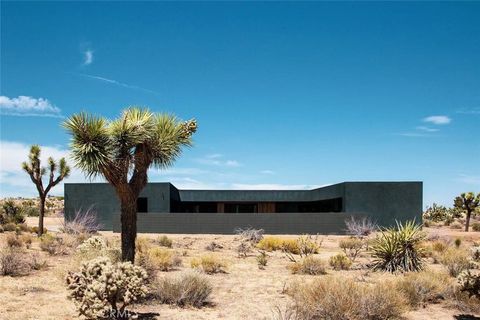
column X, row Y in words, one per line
column 216, row 159
column 469, row 110
column 267, row 172
column 28, row 106
column 438, row 120
column 427, row 129
column 115, row 82
column 273, row 186
column 87, row 57
column 469, row 179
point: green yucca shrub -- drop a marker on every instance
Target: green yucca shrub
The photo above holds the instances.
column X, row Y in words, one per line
column 398, row 248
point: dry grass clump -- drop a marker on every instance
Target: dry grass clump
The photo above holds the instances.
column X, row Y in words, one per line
column 271, row 243
column 338, row 298
column 57, row 245
column 10, row 226
column 421, row 288
column 455, row 261
column 213, row 246
column 186, row 289
column 456, row 225
column 340, row 262
column 262, row 260
column 161, row 259
column 164, row 241
column 209, row 264
column 251, row 235
column 309, row 265
column 84, row 221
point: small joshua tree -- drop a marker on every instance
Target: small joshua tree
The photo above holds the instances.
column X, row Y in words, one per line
column 36, row 173
column 469, row 203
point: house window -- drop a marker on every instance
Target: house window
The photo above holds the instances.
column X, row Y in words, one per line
column 142, row 205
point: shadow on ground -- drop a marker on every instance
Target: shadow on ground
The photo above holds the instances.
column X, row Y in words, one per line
column 465, row 317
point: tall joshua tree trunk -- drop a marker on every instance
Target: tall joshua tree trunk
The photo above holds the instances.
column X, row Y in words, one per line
column 129, row 226
column 41, row 215
column 467, row 223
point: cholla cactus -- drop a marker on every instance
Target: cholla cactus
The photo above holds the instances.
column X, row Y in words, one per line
column 476, row 253
column 92, row 244
column 467, row 202
column 100, row 286
column 470, row 283
column 97, row 247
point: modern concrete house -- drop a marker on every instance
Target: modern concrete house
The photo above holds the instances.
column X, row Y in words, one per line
column 163, row 208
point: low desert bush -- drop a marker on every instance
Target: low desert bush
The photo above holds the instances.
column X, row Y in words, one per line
column 13, row 262
column 420, row 288
column 213, row 246
column 309, row 265
column 262, row 260
column 56, row 244
column 340, row 262
column 351, row 247
column 270, row 244
column 27, row 239
column 360, row 227
column 23, row 227
column 162, row 259
column 10, row 226
column 290, row 246
column 164, row 241
column 1, row 229
column 251, row 235
column 100, row 287
column 209, row 264
column 36, row 262
column 186, row 289
column 399, row 248
column 456, row 225
column 439, row 246
column 11, row 213
column 338, row 298
column 308, row 244
column 244, row 249
column 34, row 229
column 476, row 226
column 455, row 261
column 457, row 242
column 14, row 241
column 142, row 245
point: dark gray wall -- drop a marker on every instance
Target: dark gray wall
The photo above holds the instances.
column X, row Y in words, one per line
column 384, row 202
column 226, row 223
column 104, row 201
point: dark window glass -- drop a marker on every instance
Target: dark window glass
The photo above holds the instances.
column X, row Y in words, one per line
column 142, row 205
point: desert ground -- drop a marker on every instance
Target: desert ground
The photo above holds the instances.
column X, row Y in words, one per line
column 244, row 291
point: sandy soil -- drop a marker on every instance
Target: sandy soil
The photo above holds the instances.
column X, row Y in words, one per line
column 244, row 292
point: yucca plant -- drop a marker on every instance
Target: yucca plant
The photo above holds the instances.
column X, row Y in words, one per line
column 397, row 249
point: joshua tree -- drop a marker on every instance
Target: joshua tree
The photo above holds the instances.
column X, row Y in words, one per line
column 36, row 173
column 469, row 203
column 123, row 150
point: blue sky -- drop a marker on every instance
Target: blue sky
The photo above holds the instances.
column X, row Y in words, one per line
column 287, row 95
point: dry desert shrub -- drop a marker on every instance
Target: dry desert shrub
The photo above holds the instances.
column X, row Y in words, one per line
column 456, row 225
column 338, row 298
column 340, row 262
column 455, row 261
column 249, row 234
column 244, row 249
column 10, row 226
column 14, row 262
column 95, row 247
column 36, row 262
column 57, row 244
column 186, row 289
column 309, row 265
column 213, row 246
column 351, row 247
column 360, row 227
column 164, row 241
column 421, row 288
column 14, row 241
column 270, row 243
column 262, row 260
column 209, row 264
column 161, row 259
column 84, row 221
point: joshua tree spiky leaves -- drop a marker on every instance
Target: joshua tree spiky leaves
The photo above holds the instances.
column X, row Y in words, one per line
column 469, row 203
column 123, row 150
column 36, row 172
